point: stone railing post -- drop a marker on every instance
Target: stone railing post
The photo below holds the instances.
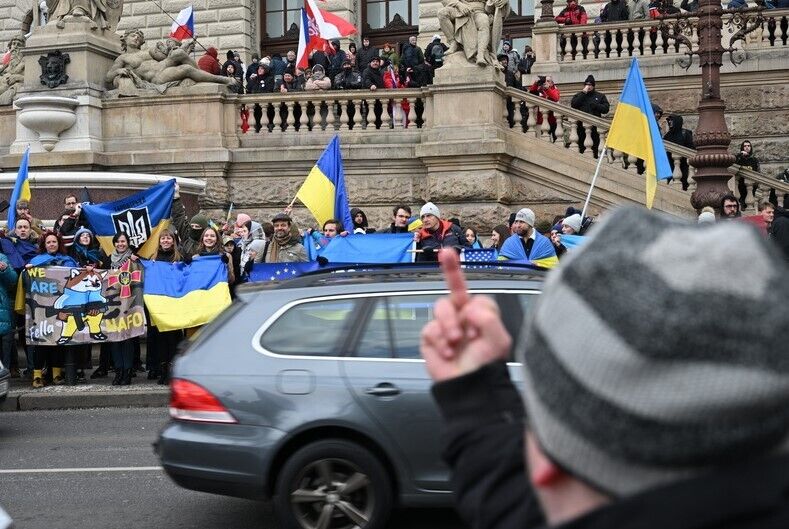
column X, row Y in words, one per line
column 545, row 40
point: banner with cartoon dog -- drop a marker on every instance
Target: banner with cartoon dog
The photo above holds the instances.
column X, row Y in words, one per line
column 69, row 306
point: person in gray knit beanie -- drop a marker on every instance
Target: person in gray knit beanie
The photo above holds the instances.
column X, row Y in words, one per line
column 662, row 400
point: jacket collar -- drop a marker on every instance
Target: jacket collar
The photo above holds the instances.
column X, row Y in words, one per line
column 751, row 495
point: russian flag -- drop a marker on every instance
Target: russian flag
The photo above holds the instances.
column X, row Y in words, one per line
column 184, row 25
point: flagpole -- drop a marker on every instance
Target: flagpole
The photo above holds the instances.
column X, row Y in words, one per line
column 194, row 38
column 594, row 179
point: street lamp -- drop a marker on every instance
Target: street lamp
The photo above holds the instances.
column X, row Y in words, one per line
column 712, row 136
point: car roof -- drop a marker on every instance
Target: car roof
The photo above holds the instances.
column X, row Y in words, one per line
column 398, row 273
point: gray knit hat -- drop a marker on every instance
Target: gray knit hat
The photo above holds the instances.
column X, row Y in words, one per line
column 672, row 358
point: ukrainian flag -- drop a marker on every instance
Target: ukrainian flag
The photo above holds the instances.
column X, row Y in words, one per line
column 635, row 131
column 142, row 216
column 21, row 188
column 180, row 296
column 323, row 192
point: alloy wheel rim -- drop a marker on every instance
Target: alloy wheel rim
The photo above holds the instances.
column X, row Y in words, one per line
column 332, row 493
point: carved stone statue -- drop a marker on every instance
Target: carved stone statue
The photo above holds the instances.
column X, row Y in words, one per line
column 12, row 75
column 475, row 27
column 103, row 14
column 138, row 71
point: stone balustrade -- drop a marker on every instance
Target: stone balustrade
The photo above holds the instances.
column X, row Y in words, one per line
column 598, row 42
column 557, row 123
column 353, row 110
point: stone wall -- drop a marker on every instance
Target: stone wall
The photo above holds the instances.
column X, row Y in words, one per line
column 224, row 24
column 13, row 14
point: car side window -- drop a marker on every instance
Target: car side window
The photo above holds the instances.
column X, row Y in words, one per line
column 375, row 341
column 316, row 328
column 408, row 315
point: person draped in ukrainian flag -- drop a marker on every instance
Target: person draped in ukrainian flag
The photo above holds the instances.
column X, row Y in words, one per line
column 527, row 244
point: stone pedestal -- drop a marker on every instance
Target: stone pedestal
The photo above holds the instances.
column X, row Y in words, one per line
column 91, row 52
column 464, row 150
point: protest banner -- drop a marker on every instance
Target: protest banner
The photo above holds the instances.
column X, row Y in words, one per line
column 69, row 306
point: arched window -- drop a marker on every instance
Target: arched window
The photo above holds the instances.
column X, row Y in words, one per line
column 518, row 26
column 390, row 20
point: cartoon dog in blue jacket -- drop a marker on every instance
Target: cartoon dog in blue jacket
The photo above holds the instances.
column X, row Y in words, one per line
column 82, row 304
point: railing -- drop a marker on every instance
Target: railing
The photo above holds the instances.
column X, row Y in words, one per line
column 648, row 37
column 332, row 110
column 575, row 130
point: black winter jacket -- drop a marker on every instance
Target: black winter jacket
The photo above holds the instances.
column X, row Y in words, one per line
column 351, row 80
column 615, row 11
column 372, row 77
column 412, row 55
column 593, row 103
column 484, row 448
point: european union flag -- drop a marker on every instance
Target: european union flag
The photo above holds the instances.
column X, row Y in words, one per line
column 141, row 216
column 634, row 130
column 280, row 271
column 323, row 192
column 486, row 255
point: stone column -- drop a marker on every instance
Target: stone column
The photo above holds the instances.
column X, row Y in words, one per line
column 544, row 41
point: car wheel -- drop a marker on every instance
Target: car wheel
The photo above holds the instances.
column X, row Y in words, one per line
column 333, row 484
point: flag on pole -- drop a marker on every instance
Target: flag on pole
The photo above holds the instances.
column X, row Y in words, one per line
column 330, row 26
column 318, row 27
column 184, row 25
column 21, row 188
column 634, row 131
column 323, row 192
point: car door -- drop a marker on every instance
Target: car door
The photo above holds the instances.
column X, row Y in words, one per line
column 388, row 378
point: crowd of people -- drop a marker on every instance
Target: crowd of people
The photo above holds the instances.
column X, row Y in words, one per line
column 391, row 66
column 242, row 243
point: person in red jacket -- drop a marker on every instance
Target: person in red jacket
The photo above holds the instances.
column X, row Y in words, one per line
column 572, row 15
column 543, row 86
column 209, row 62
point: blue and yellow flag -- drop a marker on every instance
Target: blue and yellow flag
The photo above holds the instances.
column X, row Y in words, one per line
column 21, row 188
column 542, row 251
column 323, row 192
column 634, row 131
column 180, row 296
column 142, row 217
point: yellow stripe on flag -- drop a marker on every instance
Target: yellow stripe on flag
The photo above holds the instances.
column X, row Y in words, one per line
column 145, row 251
column 629, row 133
column 24, row 193
column 317, row 193
column 194, row 309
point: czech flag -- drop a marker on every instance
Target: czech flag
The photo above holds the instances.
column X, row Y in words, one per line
column 323, row 192
column 181, row 296
column 21, row 188
column 184, row 25
column 634, row 131
column 318, row 27
column 542, row 251
column 330, row 26
column 141, row 216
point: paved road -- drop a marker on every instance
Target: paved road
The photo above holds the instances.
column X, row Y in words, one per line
column 140, row 497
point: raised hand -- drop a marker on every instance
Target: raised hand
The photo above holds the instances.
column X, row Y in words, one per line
column 466, row 331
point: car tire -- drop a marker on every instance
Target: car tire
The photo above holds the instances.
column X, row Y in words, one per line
column 333, row 484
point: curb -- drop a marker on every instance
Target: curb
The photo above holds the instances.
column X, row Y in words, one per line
column 34, row 400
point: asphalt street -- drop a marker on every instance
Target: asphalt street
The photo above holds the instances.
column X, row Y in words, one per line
column 55, row 473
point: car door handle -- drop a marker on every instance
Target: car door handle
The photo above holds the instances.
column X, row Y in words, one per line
column 383, row 390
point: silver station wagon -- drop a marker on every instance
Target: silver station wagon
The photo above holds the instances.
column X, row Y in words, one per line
column 312, row 392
